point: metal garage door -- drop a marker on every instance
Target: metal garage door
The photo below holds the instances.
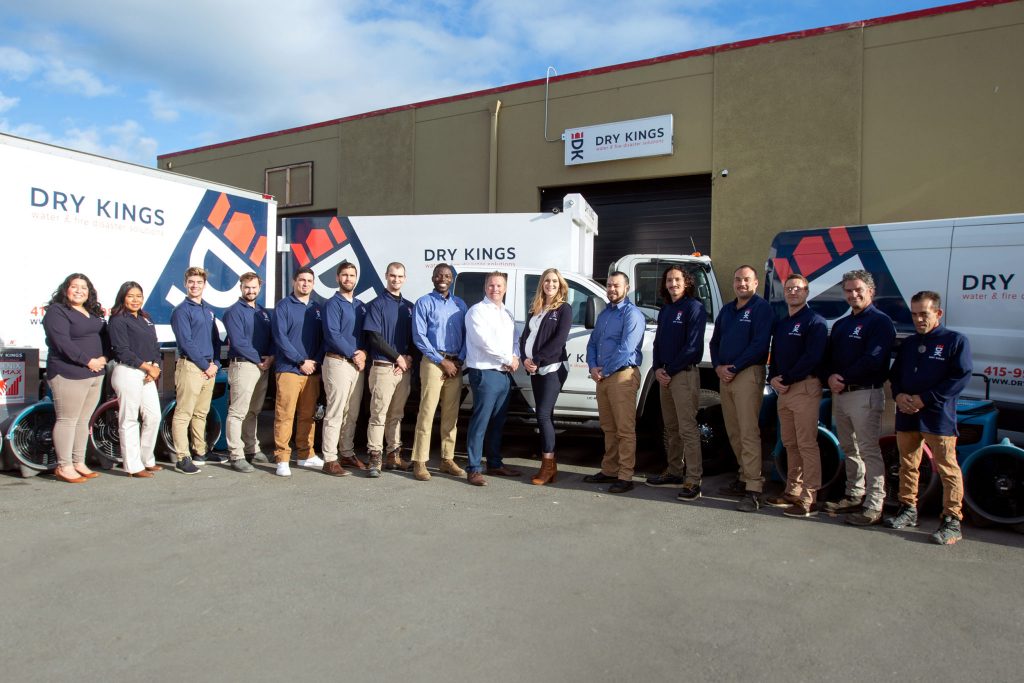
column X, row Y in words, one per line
column 658, row 216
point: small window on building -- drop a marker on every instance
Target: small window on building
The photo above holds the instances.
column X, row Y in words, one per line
column 291, row 185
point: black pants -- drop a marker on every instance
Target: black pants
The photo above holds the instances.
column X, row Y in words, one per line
column 545, row 391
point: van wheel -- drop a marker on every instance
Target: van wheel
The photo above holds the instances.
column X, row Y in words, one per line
column 716, row 452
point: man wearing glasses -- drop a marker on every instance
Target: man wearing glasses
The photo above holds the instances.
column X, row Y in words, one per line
column 858, row 362
column 798, row 349
column 931, row 368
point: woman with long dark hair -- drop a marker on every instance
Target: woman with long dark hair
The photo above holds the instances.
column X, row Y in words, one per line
column 542, row 346
column 76, row 336
column 137, row 355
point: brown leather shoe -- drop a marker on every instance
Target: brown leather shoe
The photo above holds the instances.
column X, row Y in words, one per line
column 395, row 462
column 155, row 468
column 448, row 466
column 88, row 475
column 419, row 471
column 334, row 469
column 782, row 501
column 547, row 474
column 504, row 471
column 476, row 479
column 141, row 474
column 352, row 461
column 71, row 480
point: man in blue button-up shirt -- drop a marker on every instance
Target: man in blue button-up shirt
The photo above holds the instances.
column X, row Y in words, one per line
column 344, row 361
column 298, row 337
column 251, row 352
column 439, row 332
column 195, row 330
column 613, row 355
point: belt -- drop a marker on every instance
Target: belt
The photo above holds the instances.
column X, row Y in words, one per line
column 338, row 356
column 858, row 387
column 450, row 356
column 625, row 367
column 383, row 364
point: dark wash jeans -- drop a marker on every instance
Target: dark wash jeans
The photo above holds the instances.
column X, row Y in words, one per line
column 491, row 390
column 545, row 392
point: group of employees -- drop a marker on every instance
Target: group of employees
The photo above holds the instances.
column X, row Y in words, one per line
column 347, row 343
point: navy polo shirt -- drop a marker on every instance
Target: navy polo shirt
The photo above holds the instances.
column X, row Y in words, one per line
column 249, row 332
column 195, row 330
column 73, row 339
column 391, row 317
column 742, row 335
column 798, row 346
column 937, row 367
column 343, row 325
column 298, row 334
column 860, row 346
column 679, row 341
column 133, row 339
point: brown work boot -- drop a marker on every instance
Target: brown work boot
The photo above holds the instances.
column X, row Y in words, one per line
column 395, row 462
column 334, row 469
column 448, row 466
column 476, row 479
column 352, row 461
column 419, row 471
column 782, row 501
column 547, row 474
column 376, row 463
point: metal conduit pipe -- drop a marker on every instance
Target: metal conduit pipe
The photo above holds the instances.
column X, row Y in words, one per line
column 492, row 181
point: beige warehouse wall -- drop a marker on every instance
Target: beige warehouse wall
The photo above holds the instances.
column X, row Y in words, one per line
column 375, row 171
column 944, row 116
column 787, row 127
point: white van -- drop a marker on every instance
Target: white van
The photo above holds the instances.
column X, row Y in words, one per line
column 972, row 262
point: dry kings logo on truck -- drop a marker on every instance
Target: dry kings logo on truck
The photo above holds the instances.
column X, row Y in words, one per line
column 227, row 237
column 321, row 244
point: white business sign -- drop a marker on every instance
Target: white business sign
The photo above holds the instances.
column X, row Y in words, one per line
column 648, row 137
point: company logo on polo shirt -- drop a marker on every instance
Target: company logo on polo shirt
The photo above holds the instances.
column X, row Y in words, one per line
column 266, row 318
column 228, row 237
column 937, row 352
column 795, row 331
column 856, row 332
column 745, row 318
column 321, row 244
column 679, row 317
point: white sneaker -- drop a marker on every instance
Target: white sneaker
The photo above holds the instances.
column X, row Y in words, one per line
column 283, row 470
column 313, row 463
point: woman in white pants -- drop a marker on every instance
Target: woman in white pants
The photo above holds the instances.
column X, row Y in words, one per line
column 137, row 353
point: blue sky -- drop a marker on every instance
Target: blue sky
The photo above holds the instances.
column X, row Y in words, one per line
column 135, row 79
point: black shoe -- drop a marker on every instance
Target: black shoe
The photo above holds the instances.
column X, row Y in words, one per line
column 948, row 532
column 689, row 492
column 751, row 502
column 214, row 457
column 865, row 518
column 665, row 481
column 599, row 478
column 736, row 489
column 201, row 459
column 620, row 486
column 905, row 516
column 185, row 466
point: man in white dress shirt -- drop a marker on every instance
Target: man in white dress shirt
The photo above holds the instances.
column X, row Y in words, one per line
column 490, row 356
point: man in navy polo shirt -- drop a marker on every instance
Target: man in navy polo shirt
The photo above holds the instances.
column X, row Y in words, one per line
column 860, row 346
column 298, row 337
column 387, row 328
column 931, row 369
column 194, row 324
column 739, row 353
column 678, row 348
column 251, row 351
column 798, row 349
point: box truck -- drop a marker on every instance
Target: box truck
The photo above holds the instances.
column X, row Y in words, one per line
column 521, row 245
column 67, row 211
column 972, row 262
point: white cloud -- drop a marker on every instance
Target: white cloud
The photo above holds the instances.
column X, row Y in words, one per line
column 75, row 79
column 7, row 102
column 125, row 140
column 16, row 64
column 160, row 108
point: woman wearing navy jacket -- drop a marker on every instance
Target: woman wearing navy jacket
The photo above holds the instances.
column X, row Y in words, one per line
column 137, row 352
column 542, row 348
column 76, row 336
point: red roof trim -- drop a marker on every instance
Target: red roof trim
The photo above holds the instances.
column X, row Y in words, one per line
column 794, row 35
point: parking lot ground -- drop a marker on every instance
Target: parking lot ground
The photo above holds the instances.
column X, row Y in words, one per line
column 231, row 577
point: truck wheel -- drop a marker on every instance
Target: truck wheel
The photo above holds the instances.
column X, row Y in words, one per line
column 716, row 452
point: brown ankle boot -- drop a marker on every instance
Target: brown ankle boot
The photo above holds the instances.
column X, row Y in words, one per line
column 548, row 472
column 419, row 470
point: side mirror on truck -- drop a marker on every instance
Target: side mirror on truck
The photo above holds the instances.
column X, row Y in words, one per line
column 595, row 305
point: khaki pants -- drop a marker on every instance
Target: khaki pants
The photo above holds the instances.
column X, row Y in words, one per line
column 943, row 461
column 388, row 394
column 193, row 393
column 858, row 418
column 741, row 407
column 74, row 401
column 343, row 387
column 616, row 407
column 798, row 425
column 295, row 402
column 435, row 387
column 679, row 403
column 248, row 390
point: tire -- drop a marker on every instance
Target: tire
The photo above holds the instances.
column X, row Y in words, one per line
column 716, row 451
column 30, row 437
